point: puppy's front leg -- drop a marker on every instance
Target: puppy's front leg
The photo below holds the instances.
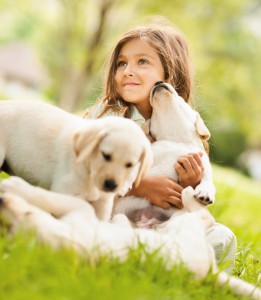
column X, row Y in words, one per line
column 103, row 207
column 22, row 215
column 54, row 203
column 205, row 191
column 197, row 208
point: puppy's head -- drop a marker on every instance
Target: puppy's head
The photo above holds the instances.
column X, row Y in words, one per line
column 115, row 150
column 172, row 118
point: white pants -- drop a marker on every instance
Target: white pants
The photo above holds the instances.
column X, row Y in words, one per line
column 224, row 243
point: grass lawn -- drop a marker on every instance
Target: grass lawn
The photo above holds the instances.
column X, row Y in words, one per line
column 29, row 270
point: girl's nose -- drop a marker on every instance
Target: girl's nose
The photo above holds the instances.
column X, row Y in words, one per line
column 128, row 71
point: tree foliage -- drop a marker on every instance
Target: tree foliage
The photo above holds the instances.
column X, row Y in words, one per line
column 74, row 38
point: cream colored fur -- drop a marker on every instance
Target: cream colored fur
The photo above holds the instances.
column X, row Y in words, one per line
column 61, row 152
column 63, row 220
column 178, row 130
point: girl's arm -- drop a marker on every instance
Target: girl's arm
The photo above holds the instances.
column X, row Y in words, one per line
column 159, row 190
column 164, row 191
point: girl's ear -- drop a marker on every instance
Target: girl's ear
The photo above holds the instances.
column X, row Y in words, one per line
column 201, row 129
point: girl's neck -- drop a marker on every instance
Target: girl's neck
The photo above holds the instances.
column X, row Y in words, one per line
column 145, row 111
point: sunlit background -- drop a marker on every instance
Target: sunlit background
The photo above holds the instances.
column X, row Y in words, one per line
column 55, row 50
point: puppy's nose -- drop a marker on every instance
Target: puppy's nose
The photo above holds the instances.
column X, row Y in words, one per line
column 109, row 185
column 158, row 83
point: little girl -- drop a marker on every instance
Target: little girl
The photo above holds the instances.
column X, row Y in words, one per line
column 142, row 57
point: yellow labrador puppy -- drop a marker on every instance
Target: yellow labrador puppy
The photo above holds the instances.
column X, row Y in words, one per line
column 64, row 220
column 61, row 152
column 177, row 130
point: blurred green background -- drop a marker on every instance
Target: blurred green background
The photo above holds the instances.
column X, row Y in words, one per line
column 57, row 50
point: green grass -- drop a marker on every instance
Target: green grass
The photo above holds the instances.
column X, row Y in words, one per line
column 29, row 270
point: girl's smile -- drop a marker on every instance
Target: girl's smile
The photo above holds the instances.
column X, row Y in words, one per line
column 130, row 84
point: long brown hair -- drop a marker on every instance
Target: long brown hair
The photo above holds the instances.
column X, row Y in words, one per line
column 171, row 46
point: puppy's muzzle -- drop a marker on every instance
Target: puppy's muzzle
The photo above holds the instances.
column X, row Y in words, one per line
column 109, row 185
column 158, row 86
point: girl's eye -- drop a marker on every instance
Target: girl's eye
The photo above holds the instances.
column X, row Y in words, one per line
column 121, row 64
column 143, row 62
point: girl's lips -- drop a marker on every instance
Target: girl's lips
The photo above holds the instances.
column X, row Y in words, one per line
column 130, row 83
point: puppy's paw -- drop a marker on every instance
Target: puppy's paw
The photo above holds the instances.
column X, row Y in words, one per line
column 15, row 185
column 15, row 210
column 189, row 200
column 204, row 195
column 188, row 193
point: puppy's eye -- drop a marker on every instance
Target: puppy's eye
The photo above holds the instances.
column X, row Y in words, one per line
column 107, row 157
column 128, row 165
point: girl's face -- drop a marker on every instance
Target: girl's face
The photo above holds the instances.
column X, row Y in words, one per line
column 138, row 69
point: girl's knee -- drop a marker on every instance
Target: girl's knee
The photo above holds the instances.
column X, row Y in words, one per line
column 220, row 235
column 224, row 243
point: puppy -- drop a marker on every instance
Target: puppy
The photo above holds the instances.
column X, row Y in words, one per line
column 178, row 130
column 63, row 220
column 61, row 152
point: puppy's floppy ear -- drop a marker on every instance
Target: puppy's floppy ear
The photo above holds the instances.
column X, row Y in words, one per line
column 201, row 129
column 146, row 161
column 86, row 140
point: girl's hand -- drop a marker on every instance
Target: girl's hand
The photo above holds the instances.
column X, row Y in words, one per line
column 190, row 169
column 159, row 190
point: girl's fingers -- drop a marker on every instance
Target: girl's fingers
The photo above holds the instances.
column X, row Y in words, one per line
column 171, row 186
column 180, row 169
column 175, row 201
column 195, row 166
column 185, row 162
column 189, row 163
column 165, row 205
column 175, row 187
column 198, row 160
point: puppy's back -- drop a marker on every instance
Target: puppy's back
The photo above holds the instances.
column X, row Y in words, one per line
column 30, row 135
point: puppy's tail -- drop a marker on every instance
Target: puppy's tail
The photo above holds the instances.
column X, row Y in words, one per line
column 239, row 286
